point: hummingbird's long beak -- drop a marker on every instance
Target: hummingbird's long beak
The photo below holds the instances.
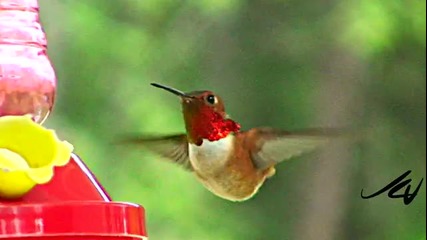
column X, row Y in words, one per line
column 172, row 90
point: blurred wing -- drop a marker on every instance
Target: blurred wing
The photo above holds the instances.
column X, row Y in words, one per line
column 274, row 146
column 173, row 148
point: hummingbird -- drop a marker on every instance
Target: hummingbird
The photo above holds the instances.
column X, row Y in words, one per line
column 231, row 163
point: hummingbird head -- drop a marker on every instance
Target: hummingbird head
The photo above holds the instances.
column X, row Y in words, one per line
column 204, row 115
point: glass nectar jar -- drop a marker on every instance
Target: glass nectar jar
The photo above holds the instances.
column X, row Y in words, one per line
column 27, row 78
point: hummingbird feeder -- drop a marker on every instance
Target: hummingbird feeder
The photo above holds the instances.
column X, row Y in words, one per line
column 46, row 191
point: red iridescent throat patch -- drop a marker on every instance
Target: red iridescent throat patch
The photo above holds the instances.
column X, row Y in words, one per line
column 213, row 126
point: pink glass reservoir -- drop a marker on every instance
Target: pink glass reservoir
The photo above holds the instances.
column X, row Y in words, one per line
column 27, row 78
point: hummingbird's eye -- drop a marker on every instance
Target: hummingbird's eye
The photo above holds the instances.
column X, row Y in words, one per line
column 211, row 99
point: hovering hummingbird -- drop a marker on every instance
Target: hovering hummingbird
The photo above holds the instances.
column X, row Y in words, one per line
column 230, row 163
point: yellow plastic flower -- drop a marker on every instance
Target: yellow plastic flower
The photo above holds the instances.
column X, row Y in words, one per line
column 28, row 154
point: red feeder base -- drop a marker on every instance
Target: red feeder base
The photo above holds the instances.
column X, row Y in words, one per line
column 71, row 206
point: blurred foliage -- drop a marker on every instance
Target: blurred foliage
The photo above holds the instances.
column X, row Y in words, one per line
column 272, row 62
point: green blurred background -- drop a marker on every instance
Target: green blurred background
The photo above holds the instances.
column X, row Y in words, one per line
column 286, row 64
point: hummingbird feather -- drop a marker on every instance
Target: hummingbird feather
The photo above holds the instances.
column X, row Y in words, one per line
column 171, row 147
column 274, row 146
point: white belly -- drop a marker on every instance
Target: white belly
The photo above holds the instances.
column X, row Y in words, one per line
column 209, row 159
column 211, row 156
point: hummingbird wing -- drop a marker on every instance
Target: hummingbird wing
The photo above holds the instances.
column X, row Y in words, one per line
column 172, row 147
column 274, row 146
